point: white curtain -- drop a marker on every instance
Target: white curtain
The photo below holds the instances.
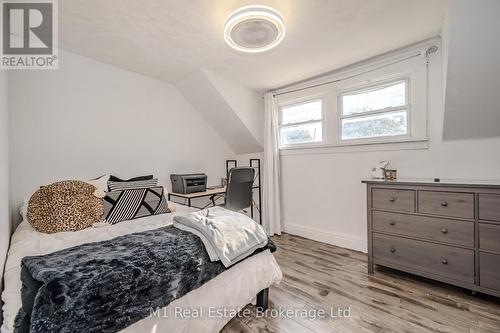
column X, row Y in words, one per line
column 271, row 216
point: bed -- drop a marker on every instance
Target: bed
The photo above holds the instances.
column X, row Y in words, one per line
column 231, row 290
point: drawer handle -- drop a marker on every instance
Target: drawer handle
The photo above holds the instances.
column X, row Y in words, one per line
column 444, row 231
column 392, row 223
column 393, row 250
column 444, row 204
column 444, row 262
column 392, row 199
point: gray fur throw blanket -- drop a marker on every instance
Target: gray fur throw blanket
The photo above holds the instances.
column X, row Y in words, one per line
column 109, row 285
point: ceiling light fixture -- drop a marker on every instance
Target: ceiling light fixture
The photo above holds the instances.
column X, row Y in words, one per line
column 254, row 29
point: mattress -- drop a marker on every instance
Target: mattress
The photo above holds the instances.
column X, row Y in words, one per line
column 206, row 309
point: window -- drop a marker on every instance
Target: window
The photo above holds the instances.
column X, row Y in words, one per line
column 381, row 105
column 301, row 123
column 375, row 112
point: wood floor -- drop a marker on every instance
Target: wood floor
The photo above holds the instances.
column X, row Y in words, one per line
column 321, row 276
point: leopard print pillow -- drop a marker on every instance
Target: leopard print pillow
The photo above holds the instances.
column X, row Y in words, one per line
column 64, row 206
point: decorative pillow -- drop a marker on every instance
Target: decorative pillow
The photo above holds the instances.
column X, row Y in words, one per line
column 64, row 206
column 137, row 184
column 135, row 203
column 101, row 183
column 116, row 179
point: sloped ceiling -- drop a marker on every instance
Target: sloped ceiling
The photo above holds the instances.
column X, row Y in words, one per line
column 182, row 42
column 175, row 38
column 472, row 98
column 246, row 103
column 215, row 104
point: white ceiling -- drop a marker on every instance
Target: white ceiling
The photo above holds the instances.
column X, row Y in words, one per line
column 171, row 39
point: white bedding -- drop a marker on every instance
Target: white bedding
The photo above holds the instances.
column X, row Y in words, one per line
column 230, row 290
column 228, row 236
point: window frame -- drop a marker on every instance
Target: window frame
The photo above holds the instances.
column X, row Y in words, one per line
column 366, row 88
column 301, row 101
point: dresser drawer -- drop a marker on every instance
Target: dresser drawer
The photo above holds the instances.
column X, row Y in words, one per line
column 446, row 261
column 489, row 237
column 446, row 204
column 489, row 207
column 397, row 200
column 431, row 228
column 489, row 271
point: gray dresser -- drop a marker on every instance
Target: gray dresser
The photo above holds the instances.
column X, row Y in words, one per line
column 446, row 231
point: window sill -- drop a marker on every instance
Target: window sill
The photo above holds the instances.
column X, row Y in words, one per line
column 389, row 145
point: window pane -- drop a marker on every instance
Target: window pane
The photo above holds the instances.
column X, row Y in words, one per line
column 301, row 112
column 375, row 99
column 386, row 124
column 304, row 133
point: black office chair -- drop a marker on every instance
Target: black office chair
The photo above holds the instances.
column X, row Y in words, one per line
column 239, row 189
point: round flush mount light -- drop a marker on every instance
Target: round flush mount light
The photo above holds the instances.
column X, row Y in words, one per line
column 254, row 29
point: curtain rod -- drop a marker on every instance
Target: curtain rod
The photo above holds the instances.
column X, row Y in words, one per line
column 428, row 51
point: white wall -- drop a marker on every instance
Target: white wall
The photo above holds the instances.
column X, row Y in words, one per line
column 203, row 93
column 5, row 225
column 322, row 194
column 472, row 105
column 88, row 118
column 246, row 103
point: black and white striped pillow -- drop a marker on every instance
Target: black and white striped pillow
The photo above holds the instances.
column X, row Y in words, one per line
column 113, row 178
column 121, row 186
column 133, row 204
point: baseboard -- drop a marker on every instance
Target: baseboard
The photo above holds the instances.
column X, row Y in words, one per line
column 329, row 237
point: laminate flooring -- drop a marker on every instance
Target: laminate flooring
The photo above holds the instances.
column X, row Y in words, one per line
column 321, row 279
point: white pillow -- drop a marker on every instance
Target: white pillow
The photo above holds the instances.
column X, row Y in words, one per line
column 23, row 210
column 102, row 185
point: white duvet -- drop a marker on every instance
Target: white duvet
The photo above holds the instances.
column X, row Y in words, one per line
column 206, row 309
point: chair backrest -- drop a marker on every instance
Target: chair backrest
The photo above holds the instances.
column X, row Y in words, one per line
column 239, row 188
